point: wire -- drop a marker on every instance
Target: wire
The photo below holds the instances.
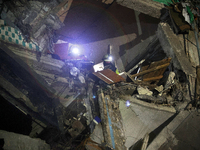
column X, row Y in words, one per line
column 190, row 42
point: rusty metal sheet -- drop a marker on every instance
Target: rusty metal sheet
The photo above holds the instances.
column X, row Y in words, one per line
column 108, row 76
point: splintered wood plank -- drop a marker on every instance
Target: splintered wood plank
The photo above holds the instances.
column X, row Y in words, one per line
column 153, row 78
column 150, row 70
column 159, row 71
column 154, row 71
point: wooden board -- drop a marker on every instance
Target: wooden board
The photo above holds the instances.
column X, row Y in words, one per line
column 158, row 72
column 108, row 76
column 154, row 71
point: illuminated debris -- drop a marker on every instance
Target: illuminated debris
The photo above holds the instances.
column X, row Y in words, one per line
column 128, row 103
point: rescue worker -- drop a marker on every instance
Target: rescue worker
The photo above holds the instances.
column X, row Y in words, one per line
column 107, row 62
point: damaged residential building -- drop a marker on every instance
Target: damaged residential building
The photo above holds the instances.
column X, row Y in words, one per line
column 98, row 75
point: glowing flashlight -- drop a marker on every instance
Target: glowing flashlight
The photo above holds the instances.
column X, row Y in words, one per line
column 128, row 103
column 110, row 58
column 75, row 50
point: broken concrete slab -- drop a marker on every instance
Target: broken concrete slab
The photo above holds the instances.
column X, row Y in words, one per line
column 167, row 132
column 148, row 7
column 15, row 141
column 174, row 49
column 139, row 119
column 149, row 105
column 152, row 99
column 52, row 77
column 190, row 47
column 97, row 135
column 50, row 69
column 144, row 90
column 134, row 128
column 186, row 134
column 32, row 85
column 28, row 55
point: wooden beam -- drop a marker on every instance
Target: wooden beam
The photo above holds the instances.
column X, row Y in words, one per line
column 153, row 78
column 150, row 70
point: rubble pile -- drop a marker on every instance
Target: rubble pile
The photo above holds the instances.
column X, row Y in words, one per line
column 172, row 90
column 81, row 100
column 84, row 98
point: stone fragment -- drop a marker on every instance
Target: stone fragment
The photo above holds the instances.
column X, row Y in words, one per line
column 170, row 80
column 159, row 88
column 144, row 91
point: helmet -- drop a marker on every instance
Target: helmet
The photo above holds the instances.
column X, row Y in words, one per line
column 107, row 58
